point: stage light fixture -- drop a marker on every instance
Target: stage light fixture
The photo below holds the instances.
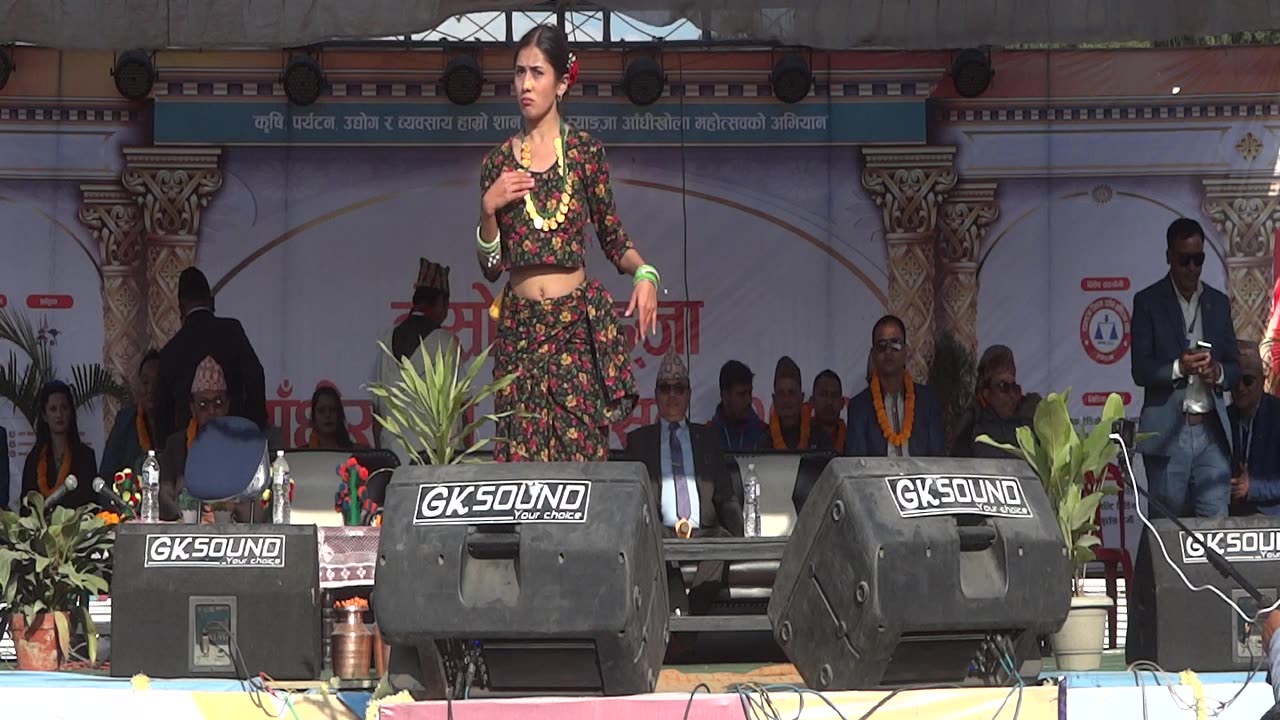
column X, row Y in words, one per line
column 971, row 72
column 791, row 79
column 643, row 81
column 6, row 67
column 134, row 74
column 303, row 80
column 463, row 80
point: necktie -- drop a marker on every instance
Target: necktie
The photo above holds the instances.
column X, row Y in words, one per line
column 677, row 474
column 896, row 420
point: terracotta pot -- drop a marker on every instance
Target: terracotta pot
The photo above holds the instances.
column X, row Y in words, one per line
column 37, row 643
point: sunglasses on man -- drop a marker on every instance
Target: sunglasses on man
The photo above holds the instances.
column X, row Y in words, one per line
column 673, row 388
column 1186, row 259
column 887, row 345
column 1248, row 380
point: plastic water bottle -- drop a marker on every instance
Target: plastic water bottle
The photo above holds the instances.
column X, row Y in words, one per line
column 751, row 502
column 280, row 490
column 150, row 488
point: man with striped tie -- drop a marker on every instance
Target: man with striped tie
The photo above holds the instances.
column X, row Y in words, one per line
column 692, row 486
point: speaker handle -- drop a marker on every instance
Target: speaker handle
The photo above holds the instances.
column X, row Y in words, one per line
column 494, row 546
column 975, row 538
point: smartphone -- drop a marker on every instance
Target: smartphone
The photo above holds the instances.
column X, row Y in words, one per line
column 1202, row 345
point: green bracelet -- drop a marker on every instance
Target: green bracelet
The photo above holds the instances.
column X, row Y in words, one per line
column 647, row 272
column 488, row 248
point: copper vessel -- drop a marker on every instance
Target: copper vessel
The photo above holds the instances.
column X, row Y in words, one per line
column 352, row 645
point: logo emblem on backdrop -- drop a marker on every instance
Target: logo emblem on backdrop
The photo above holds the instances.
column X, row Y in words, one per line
column 503, row 501
column 1104, row 331
column 925, row 495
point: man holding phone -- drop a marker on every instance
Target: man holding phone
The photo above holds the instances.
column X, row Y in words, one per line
column 1184, row 354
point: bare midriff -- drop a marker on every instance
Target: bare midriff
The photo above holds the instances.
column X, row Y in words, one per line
column 542, row 282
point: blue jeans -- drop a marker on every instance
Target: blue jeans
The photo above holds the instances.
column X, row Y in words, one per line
column 1194, row 479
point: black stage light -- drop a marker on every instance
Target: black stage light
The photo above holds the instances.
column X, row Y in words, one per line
column 971, row 72
column 134, row 74
column 791, row 79
column 303, row 80
column 463, row 80
column 642, row 81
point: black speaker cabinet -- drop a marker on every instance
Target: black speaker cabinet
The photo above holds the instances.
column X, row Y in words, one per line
column 920, row 571
column 1179, row 629
column 215, row 601
column 527, row 578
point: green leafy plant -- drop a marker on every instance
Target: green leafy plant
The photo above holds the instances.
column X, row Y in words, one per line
column 952, row 376
column 50, row 563
column 426, row 412
column 1064, row 459
column 20, row 384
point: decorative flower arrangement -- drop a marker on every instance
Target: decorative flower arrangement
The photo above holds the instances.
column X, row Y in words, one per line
column 358, row 603
column 355, row 479
column 109, row 517
column 129, row 487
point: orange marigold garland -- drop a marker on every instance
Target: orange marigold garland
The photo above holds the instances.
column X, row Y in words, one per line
column 775, row 429
column 42, row 470
column 898, row 439
column 144, row 432
column 192, row 429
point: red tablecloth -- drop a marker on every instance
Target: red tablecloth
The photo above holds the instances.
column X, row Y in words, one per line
column 348, row 556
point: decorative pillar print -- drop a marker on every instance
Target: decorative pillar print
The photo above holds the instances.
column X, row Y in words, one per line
column 1246, row 212
column 909, row 185
column 171, row 186
column 966, row 213
column 112, row 214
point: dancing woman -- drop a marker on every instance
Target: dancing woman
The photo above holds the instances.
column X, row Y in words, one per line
column 557, row 330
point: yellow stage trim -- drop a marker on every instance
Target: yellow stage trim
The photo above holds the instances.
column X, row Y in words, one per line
column 240, row 706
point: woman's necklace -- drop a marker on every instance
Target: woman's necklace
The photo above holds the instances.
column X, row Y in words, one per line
column 558, row 212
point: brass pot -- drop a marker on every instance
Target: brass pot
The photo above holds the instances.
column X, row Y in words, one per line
column 352, row 646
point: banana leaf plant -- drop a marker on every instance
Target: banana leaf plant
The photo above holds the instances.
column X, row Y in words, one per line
column 1064, row 460
column 20, row 382
column 51, row 562
column 426, row 411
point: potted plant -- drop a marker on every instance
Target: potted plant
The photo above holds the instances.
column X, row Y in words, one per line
column 49, row 564
column 426, row 412
column 1065, row 460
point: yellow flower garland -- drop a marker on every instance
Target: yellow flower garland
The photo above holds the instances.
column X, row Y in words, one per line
column 898, row 439
column 42, row 470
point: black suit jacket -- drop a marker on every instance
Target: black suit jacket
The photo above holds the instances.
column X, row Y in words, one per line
column 407, row 338
column 716, row 498
column 204, row 334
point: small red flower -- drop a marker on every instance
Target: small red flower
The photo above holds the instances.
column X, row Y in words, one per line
column 573, row 69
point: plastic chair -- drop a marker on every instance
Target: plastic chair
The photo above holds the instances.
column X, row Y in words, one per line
column 1113, row 557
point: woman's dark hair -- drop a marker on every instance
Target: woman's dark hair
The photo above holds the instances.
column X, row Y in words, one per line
column 552, row 42
column 148, row 357
column 344, row 437
column 44, row 436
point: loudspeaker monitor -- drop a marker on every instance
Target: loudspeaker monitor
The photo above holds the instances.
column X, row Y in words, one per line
column 914, row 570
column 215, row 601
column 1177, row 628
column 522, row 579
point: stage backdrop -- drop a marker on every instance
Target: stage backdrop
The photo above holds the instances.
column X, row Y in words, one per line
column 1029, row 217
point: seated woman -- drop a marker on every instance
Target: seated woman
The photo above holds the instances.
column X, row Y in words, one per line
column 209, row 400
column 58, row 452
column 131, row 434
column 329, row 421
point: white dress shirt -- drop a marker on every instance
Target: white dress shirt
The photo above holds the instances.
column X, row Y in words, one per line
column 1199, row 397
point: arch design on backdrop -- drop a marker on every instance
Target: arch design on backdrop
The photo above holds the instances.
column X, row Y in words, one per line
column 62, row 227
column 792, row 229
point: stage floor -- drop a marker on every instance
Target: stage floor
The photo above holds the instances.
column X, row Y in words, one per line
column 1086, row 696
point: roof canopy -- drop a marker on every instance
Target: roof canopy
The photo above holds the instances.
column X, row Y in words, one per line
column 831, row 24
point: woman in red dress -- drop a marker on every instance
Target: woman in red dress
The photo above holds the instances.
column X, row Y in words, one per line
column 557, row 330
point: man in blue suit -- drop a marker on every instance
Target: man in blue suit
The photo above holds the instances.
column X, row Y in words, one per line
column 872, row 433
column 1188, row 462
column 1255, row 432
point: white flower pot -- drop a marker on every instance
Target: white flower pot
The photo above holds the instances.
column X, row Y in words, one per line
column 1078, row 645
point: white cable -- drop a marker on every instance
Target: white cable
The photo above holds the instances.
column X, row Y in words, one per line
column 1137, row 504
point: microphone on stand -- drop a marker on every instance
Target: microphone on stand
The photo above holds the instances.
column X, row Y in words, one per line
column 100, row 486
column 61, row 491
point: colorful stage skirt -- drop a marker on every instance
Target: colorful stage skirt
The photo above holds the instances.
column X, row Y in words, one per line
column 573, row 376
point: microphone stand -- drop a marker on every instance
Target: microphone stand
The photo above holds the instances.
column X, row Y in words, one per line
column 1121, row 429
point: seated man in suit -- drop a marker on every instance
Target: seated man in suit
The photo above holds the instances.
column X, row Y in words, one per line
column 691, row 479
column 208, row 400
column 895, row 416
column 1255, row 426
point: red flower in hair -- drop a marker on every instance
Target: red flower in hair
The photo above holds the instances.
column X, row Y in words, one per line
column 573, row 69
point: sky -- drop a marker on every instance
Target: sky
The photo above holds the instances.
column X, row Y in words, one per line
column 582, row 26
